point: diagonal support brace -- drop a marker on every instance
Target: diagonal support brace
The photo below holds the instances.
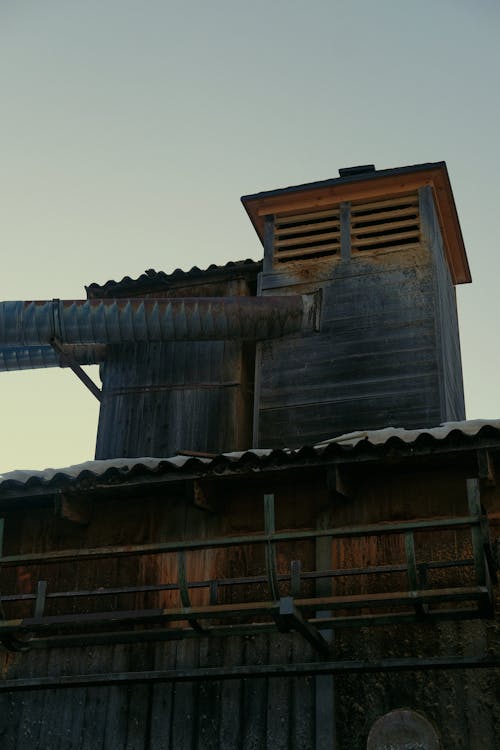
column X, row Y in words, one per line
column 67, row 361
column 288, row 617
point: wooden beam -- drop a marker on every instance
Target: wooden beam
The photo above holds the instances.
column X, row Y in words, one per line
column 73, row 508
column 414, row 664
column 289, row 618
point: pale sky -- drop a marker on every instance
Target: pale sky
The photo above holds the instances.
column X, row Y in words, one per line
column 129, row 131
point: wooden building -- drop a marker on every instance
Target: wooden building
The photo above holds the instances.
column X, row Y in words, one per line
column 309, row 558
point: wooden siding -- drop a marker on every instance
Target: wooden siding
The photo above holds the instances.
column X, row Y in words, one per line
column 251, row 713
column 387, row 352
column 447, row 334
column 372, row 364
column 160, row 398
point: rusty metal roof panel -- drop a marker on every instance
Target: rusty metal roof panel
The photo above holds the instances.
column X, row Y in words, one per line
column 369, row 444
column 155, row 281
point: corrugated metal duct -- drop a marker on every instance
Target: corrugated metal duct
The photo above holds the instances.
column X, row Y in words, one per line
column 27, row 328
column 13, row 358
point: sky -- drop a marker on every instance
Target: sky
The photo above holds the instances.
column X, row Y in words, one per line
column 130, row 129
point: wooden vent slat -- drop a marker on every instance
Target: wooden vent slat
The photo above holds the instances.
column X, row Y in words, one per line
column 310, row 215
column 390, row 202
column 308, row 235
column 308, row 228
column 311, row 252
column 369, row 228
column 382, row 239
column 359, row 216
column 386, row 224
column 303, row 240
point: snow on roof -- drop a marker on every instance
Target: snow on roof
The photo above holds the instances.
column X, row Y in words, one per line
column 125, row 466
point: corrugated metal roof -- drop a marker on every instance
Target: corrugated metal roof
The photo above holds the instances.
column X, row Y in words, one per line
column 375, row 443
column 151, row 280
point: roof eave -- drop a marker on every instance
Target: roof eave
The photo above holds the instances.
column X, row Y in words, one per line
column 319, row 195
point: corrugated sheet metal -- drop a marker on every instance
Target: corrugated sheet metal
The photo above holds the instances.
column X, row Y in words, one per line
column 116, row 321
column 378, row 442
column 152, row 280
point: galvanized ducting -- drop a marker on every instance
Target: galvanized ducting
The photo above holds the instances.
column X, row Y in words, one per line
column 14, row 358
column 27, row 328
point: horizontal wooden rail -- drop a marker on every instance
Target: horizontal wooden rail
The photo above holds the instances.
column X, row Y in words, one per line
column 63, row 682
column 253, row 609
column 74, row 555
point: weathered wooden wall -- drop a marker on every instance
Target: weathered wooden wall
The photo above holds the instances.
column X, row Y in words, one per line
column 388, row 351
column 254, row 713
column 249, row 714
column 373, row 363
column 463, row 705
column 160, row 398
column 447, row 334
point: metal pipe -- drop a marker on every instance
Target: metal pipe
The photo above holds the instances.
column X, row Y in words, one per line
column 31, row 324
column 15, row 358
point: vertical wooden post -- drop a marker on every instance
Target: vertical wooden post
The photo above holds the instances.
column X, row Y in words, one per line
column 267, row 266
column 478, row 542
column 2, row 525
column 41, row 594
column 270, row 528
column 295, row 572
column 345, row 231
column 325, row 696
column 411, row 561
column 474, row 501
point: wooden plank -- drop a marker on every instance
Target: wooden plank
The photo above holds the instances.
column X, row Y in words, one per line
column 383, row 238
column 306, row 228
column 270, row 529
column 235, row 541
column 184, row 717
column 301, row 254
column 232, row 709
column 305, row 239
column 408, row 214
column 410, row 200
column 345, row 231
column 486, row 468
column 32, row 707
column 330, row 196
column 278, row 696
column 289, row 218
column 162, row 700
column 209, row 702
column 369, row 226
column 96, row 700
column 268, row 244
column 324, row 703
column 255, row 695
column 302, row 700
column 254, row 673
column 115, row 731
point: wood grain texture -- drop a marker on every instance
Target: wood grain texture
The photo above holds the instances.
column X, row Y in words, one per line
column 383, row 355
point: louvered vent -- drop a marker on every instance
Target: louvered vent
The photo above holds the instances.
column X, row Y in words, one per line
column 392, row 223
column 315, row 234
